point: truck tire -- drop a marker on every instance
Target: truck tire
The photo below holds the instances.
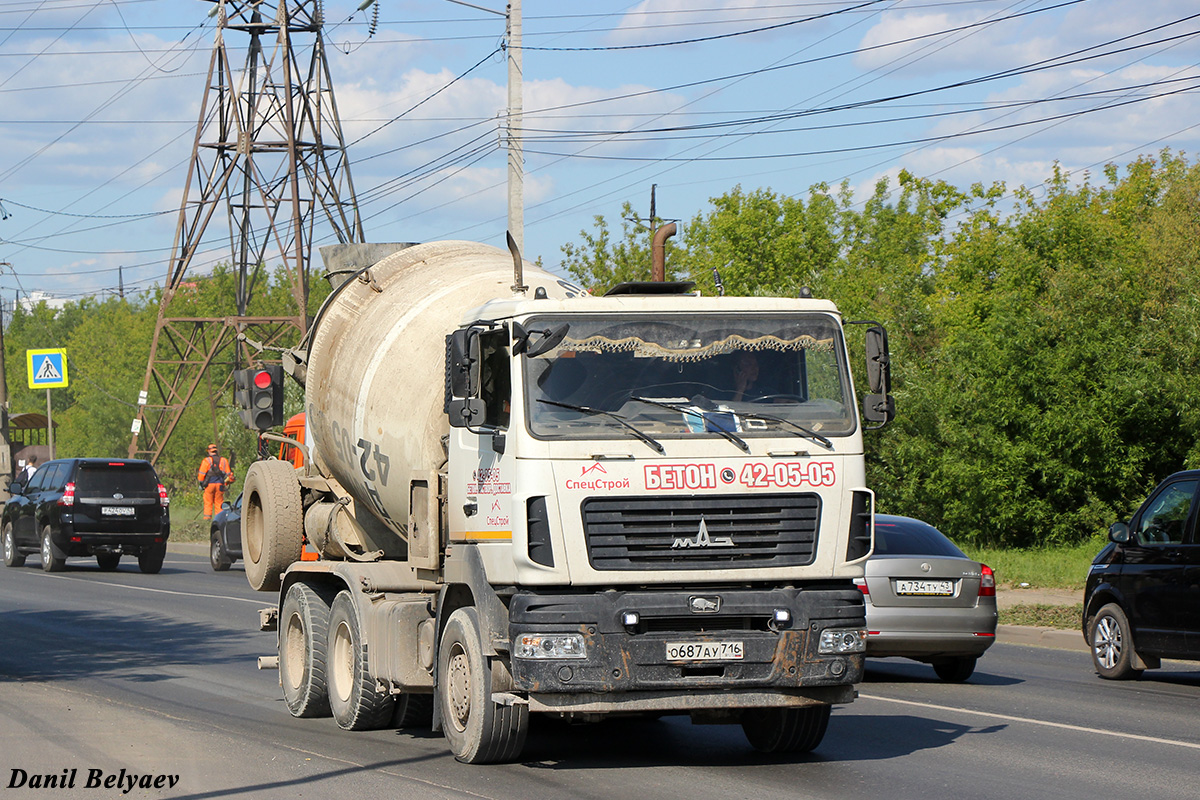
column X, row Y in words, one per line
column 478, row 730
column 272, row 522
column 786, row 730
column 355, row 699
column 303, row 640
column 12, row 556
column 413, row 711
column 50, row 562
column 150, row 560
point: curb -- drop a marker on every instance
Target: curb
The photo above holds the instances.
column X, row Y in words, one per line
column 190, row 548
column 1041, row 637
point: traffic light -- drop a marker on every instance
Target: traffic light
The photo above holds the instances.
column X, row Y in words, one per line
column 258, row 394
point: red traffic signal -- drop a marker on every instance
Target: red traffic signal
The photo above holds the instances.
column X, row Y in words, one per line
column 258, row 394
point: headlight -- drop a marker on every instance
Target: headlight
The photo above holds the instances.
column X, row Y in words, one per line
column 835, row 641
column 550, row 645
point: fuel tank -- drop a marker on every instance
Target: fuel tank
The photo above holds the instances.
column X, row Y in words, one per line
column 374, row 388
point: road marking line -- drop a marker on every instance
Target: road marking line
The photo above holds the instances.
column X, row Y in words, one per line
column 1047, row 723
column 160, row 591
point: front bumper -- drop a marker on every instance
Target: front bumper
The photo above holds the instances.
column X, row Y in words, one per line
column 627, row 668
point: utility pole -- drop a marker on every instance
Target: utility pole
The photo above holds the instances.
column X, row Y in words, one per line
column 516, row 151
column 653, row 213
column 513, row 117
column 6, row 465
column 268, row 156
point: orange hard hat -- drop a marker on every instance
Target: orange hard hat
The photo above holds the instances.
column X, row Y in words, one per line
column 212, row 448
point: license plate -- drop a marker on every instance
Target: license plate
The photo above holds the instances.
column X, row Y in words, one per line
column 704, row 651
column 939, row 588
column 117, row 511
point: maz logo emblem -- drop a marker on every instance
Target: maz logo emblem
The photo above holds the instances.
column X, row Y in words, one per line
column 705, row 605
column 702, row 539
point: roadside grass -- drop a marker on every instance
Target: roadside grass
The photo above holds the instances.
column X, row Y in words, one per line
column 1042, row 568
column 187, row 521
column 1064, row 617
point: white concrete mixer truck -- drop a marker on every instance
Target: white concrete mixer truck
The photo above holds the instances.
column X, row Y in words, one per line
column 530, row 500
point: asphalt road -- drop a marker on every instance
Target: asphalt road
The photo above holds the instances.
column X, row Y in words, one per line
column 155, row 675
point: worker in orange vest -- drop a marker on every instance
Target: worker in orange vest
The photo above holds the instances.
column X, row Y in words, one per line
column 214, row 476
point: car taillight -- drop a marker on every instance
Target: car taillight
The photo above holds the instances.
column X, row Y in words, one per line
column 162, row 495
column 68, row 495
column 987, row 581
column 861, row 583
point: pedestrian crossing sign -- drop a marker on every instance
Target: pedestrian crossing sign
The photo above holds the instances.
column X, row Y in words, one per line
column 47, row 368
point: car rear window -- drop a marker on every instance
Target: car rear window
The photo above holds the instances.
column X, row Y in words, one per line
column 131, row 480
column 912, row 539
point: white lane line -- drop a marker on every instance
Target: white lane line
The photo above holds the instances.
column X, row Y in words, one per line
column 160, row 591
column 1046, row 723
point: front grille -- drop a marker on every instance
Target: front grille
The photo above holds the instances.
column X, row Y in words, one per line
column 739, row 531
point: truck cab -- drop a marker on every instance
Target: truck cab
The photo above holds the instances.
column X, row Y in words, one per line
column 673, row 482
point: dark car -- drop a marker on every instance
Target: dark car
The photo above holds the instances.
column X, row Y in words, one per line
column 1142, row 601
column 102, row 507
column 225, row 536
column 926, row 600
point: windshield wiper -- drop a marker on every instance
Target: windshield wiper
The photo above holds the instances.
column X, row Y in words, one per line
column 700, row 401
column 739, row 441
column 799, row 429
column 658, row 448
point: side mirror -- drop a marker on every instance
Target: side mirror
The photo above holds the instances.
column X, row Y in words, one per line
column 879, row 409
column 465, row 412
column 16, row 487
column 1118, row 532
column 462, row 362
column 527, row 342
column 879, row 368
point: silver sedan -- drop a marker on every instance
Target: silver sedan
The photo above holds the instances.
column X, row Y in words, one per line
column 926, row 600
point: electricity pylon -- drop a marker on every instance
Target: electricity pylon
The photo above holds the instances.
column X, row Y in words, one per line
column 268, row 156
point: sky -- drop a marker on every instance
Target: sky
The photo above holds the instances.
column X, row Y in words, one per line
column 99, row 102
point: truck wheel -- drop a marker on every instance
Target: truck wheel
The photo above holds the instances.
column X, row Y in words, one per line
column 354, row 698
column 272, row 523
column 413, row 711
column 478, row 730
column 12, row 556
column 216, row 554
column 108, row 561
column 786, row 730
column 50, row 563
column 150, row 560
column 1112, row 644
column 303, row 638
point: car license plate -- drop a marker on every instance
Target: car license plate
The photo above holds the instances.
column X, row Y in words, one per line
column 704, row 651
column 939, row 588
column 117, row 511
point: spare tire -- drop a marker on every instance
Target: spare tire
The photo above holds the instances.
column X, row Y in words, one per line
column 272, row 523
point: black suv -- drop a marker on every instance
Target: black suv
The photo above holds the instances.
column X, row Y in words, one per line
column 1142, row 601
column 102, row 507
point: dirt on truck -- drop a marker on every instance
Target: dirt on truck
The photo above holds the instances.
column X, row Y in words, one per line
column 530, row 500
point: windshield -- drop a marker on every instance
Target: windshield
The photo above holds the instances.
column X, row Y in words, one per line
column 705, row 375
